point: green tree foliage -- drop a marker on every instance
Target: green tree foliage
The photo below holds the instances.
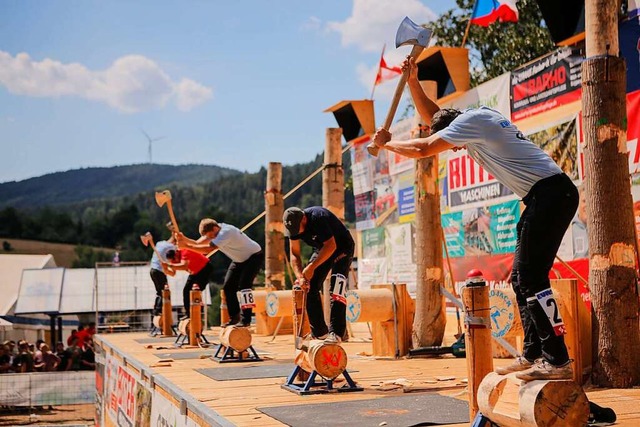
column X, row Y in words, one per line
column 87, row 257
column 499, row 48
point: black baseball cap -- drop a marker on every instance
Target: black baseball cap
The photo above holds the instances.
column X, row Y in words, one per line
column 292, row 218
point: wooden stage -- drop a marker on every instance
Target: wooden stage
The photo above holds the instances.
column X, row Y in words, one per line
column 234, row 402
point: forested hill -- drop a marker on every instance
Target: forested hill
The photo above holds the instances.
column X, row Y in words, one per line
column 114, row 206
column 81, row 185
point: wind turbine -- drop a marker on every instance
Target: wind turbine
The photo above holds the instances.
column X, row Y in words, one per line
column 151, row 141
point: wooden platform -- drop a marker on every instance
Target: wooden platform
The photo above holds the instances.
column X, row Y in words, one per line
column 234, row 402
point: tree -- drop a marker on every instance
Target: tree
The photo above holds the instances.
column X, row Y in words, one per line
column 612, row 241
column 499, row 48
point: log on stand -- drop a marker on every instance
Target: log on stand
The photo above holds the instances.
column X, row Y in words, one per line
column 235, row 337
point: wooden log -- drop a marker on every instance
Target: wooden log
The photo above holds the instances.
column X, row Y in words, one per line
column 475, row 297
column 370, row 305
column 236, row 337
column 509, row 402
column 328, row 360
column 274, row 228
column 195, row 327
column 224, row 313
column 392, row 338
column 167, row 312
column 183, row 327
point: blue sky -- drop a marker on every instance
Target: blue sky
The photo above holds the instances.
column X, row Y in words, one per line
column 230, row 83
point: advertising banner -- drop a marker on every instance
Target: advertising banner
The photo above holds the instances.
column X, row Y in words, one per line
column 365, row 214
column 126, row 400
column 373, row 243
column 401, row 260
column 406, row 197
column 398, row 163
column 468, row 183
column 371, row 271
column 493, row 94
column 560, row 142
column 165, row 413
column 546, row 83
column 43, row 388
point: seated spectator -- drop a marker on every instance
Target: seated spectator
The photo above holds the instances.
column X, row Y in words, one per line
column 85, row 333
column 5, row 359
column 88, row 361
column 74, row 333
column 49, row 359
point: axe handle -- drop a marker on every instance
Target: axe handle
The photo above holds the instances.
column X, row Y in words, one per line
column 372, row 148
column 172, row 216
column 153, row 245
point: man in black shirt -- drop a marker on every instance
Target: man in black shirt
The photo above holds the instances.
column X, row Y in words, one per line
column 332, row 251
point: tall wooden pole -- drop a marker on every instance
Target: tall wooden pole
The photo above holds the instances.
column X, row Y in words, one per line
column 430, row 318
column 167, row 312
column 332, row 190
column 274, row 228
column 612, row 243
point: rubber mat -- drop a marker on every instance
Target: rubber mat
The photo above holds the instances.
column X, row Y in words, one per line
column 399, row 411
column 244, row 372
column 154, row 340
column 184, row 355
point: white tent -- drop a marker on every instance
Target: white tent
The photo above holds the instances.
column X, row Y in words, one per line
column 11, row 267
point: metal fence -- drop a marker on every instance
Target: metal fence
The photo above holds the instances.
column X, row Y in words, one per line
column 47, row 398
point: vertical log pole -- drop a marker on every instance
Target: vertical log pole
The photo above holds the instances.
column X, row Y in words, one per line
column 475, row 297
column 612, row 243
column 167, row 314
column 430, row 318
column 274, row 229
column 224, row 313
column 332, row 191
column 195, row 317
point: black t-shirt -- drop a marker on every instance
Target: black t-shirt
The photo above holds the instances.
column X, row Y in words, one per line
column 321, row 226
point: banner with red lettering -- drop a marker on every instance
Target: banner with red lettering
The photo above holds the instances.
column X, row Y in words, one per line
column 546, row 83
column 468, row 183
column 126, row 402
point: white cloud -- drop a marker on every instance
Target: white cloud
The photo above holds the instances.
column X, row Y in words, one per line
column 133, row 83
column 372, row 24
column 312, row 24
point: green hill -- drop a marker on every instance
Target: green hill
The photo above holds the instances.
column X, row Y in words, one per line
column 81, row 185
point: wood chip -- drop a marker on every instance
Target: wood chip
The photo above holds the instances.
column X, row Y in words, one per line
column 445, row 378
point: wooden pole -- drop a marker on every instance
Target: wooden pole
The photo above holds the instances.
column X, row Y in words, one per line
column 195, row 317
column 274, row 229
column 612, row 243
column 475, row 297
column 224, row 313
column 167, row 312
column 332, row 192
column 430, row 319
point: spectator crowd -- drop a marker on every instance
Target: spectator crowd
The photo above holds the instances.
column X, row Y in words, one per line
column 39, row 357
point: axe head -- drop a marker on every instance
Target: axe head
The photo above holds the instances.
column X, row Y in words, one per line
column 163, row 197
column 411, row 33
column 146, row 238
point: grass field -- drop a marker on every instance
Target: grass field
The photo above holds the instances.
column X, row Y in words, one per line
column 64, row 254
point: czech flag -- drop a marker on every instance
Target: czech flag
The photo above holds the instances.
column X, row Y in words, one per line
column 486, row 12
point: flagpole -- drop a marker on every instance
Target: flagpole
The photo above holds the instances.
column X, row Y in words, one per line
column 373, row 89
column 466, row 31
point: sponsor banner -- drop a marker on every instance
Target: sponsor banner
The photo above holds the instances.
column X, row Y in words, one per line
column 496, row 269
column 365, row 214
column 100, row 369
column 43, row 388
column 362, row 177
column 166, row 414
column 381, row 164
column 629, row 32
column 406, row 198
column 402, row 131
column 373, row 243
column 371, row 271
column 560, row 142
column 468, row 183
column 401, row 259
column 546, row 83
column 493, row 94
column 126, row 400
column 503, row 219
column 385, row 198
column 453, row 234
column 503, row 311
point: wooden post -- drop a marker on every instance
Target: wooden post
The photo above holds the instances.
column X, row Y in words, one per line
column 332, row 192
column 430, row 319
column 274, row 228
column 195, row 317
column 475, row 298
column 224, row 313
column 612, row 243
column 167, row 312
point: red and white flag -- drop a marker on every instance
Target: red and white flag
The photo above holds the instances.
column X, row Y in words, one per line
column 385, row 72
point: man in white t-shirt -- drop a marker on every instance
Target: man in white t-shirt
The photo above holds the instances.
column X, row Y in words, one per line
column 246, row 261
column 159, row 273
column 551, row 200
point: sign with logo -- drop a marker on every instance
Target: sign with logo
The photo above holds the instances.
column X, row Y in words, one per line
column 469, row 183
column 550, row 306
column 272, row 304
column 165, row 414
column 354, row 306
column 502, row 312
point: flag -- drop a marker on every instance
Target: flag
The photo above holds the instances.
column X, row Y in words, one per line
column 486, row 12
column 385, row 72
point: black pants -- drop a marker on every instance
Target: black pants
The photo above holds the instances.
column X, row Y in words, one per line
column 240, row 275
column 339, row 266
column 550, row 205
column 159, row 280
column 202, row 279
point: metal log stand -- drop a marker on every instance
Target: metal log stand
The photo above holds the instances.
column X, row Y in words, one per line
column 311, row 386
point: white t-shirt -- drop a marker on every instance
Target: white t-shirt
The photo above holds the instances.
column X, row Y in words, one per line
column 234, row 243
column 500, row 148
column 162, row 247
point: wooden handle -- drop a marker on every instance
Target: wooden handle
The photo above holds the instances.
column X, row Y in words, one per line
column 172, row 216
column 372, row 148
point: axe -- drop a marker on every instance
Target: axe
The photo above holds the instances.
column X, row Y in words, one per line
column 147, row 239
column 409, row 33
column 163, row 197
